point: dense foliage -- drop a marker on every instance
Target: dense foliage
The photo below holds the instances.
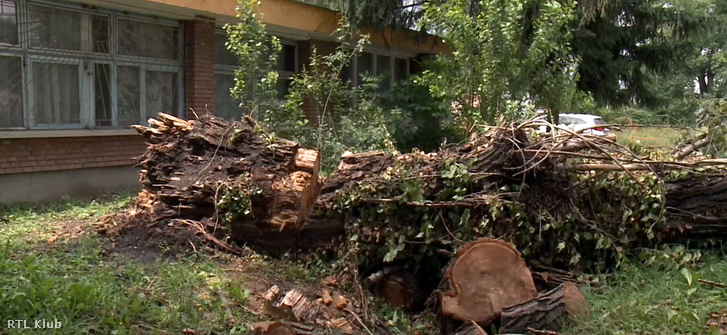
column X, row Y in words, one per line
column 664, row 58
column 506, row 55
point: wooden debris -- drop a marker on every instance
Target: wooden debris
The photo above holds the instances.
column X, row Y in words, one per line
column 713, row 283
column 396, row 287
column 340, row 323
column 339, row 301
column 326, row 297
column 295, row 306
column 485, row 277
column 273, row 328
column 189, row 167
column 547, row 311
column 329, row 281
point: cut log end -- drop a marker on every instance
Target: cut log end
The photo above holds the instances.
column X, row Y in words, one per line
column 485, row 277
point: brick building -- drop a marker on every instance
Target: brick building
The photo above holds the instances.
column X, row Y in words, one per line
column 74, row 75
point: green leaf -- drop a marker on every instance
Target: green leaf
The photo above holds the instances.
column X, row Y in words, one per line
column 464, row 220
column 687, row 275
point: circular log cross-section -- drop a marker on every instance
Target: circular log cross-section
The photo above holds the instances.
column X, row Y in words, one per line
column 485, row 277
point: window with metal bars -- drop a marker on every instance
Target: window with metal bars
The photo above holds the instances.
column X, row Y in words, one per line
column 77, row 68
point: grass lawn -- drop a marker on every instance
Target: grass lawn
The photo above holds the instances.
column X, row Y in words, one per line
column 650, row 137
column 649, row 300
column 54, row 267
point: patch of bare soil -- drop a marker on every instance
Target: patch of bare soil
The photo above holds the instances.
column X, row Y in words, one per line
column 718, row 321
column 68, row 230
column 134, row 245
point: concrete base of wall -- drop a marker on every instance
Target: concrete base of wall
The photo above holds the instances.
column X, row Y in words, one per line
column 49, row 186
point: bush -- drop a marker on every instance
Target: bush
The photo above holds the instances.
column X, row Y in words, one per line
column 418, row 120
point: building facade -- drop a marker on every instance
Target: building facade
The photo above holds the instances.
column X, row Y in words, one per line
column 74, row 75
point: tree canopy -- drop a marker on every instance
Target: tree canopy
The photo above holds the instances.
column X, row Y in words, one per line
column 641, row 53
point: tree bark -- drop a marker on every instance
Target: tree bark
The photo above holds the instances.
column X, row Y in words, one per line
column 189, row 166
column 695, row 209
column 686, row 150
column 485, row 277
column 323, row 222
column 545, row 312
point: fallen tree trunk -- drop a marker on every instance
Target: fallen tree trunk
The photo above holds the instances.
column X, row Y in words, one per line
column 256, row 188
column 546, row 312
column 696, row 208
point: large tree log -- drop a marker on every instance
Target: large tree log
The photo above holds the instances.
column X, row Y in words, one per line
column 324, row 223
column 191, row 166
column 485, row 277
column 695, row 208
column 545, row 312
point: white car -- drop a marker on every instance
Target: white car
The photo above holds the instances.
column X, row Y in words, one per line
column 585, row 123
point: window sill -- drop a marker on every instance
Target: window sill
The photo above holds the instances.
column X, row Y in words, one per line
column 12, row 134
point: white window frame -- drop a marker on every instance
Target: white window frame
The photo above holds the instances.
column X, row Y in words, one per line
column 86, row 61
column 32, row 60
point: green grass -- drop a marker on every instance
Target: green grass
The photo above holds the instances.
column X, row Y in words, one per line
column 650, row 300
column 72, row 281
column 656, row 137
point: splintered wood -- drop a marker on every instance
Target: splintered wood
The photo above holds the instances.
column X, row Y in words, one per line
column 296, row 306
column 189, row 166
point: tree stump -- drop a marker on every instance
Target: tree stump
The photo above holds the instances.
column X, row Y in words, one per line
column 189, row 166
column 545, row 312
column 485, row 277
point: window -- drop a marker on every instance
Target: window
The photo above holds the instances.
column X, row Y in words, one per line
column 102, row 95
column 128, row 85
column 8, row 22
column 345, row 74
column 378, row 64
column 287, row 67
column 383, row 71
column 56, row 94
column 79, row 75
column 54, row 28
column 287, row 60
column 223, row 56
column 144, row 39
column 225, row 105
column 161, row 92
column 401, row 69
column 11, row 92
column 226, row 64
column 364, row 65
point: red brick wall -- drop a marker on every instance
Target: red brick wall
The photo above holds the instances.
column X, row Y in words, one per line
column 53, row 154
column 199, row 79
